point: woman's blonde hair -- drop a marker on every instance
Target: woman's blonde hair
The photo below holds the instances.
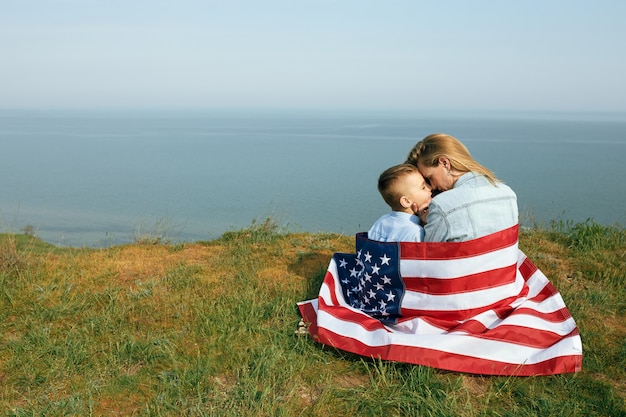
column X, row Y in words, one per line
column 438, row 145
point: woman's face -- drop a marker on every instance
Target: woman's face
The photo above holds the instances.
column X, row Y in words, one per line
column 438, row 176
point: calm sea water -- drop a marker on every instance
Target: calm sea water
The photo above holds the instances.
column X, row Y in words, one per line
column 100, row 178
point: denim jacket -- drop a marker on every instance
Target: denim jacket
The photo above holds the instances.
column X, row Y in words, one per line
column 472, row 209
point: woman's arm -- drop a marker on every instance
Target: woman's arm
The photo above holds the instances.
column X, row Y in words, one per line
column 437, row 227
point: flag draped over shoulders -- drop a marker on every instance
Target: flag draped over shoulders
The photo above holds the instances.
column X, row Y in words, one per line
column 479, row 306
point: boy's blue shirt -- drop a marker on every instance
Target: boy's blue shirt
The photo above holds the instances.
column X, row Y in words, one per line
column 397, row 226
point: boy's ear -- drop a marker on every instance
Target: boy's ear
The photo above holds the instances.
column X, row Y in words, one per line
column 405, row 202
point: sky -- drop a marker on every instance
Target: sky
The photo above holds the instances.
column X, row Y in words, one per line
column 532, row 55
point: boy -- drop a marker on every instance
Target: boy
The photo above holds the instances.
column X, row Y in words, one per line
column 404, row 189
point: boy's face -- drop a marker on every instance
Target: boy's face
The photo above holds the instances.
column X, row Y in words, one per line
column 417, row 191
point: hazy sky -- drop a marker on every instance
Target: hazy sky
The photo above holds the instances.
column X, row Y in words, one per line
column 352, row 54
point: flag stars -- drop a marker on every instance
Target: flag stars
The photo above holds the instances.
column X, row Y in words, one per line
column 368, row 280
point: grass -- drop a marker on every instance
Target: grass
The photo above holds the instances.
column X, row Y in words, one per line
column 207, row 329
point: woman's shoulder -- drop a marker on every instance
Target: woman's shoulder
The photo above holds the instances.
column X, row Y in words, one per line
column 469, row 188
column 474, row 179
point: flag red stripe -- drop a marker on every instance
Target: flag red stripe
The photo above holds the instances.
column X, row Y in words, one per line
column 527, row 268
column 329, row 280
column 468, row 283
column 554, row 317
column 457, row 250
column 347, row 315
column 309, row 316
column 546, row 292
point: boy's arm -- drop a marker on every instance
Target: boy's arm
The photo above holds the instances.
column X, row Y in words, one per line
column 423, row 214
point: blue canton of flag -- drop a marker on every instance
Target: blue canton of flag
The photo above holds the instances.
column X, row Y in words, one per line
column 370, row 280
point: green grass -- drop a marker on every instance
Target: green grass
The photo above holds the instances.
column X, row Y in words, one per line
column 207, row 329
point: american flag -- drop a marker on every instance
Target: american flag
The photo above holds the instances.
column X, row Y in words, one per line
column 478, row 307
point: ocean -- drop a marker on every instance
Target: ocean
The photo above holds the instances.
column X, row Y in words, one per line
column 101, row 178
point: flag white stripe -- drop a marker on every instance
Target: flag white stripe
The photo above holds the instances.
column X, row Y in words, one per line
column 549, row 305
column 457, row 268
column 490, row 320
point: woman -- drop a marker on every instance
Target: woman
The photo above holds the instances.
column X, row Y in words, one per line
column 471, row 202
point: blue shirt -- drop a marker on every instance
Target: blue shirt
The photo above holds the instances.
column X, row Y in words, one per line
column 473, row 208
column 397, row 227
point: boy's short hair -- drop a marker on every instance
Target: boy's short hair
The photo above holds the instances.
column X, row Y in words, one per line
column 388, row 180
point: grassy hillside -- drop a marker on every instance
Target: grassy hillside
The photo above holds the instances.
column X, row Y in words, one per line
column 207, row 329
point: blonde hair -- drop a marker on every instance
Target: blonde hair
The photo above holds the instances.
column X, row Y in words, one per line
column 388, row 181
column 438, row 145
